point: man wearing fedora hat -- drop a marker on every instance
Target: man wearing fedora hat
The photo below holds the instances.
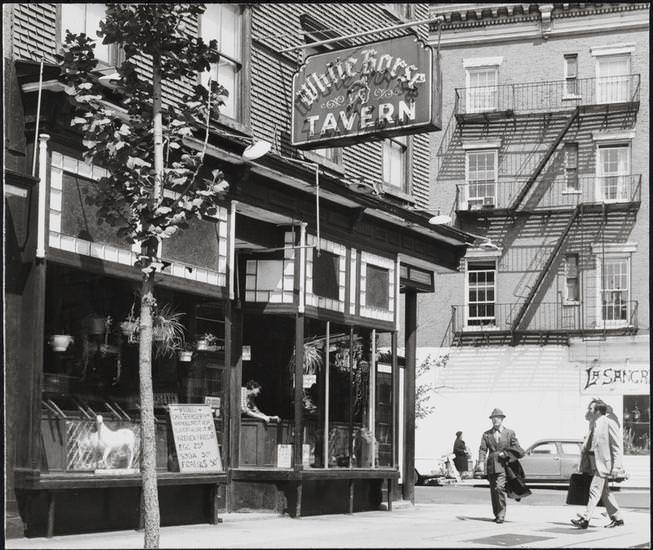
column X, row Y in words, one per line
column 496, row 443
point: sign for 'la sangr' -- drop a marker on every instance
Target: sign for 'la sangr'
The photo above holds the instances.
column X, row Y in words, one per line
column 375, row 90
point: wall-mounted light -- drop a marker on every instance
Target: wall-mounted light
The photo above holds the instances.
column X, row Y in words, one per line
column 484, row 243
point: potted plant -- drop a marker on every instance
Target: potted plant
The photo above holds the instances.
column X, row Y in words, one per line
column 207, row 342
column 168, row 331
column 60, row 342
column 94, row 324
column 186, row 354
column 129, row 327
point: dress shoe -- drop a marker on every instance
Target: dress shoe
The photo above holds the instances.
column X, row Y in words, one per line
column 615, row 523
column 581, row 523
column 498, row 520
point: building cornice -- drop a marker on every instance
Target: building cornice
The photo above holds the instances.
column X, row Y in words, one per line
column 457, row 16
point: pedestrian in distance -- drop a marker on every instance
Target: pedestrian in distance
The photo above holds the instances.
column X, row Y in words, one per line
column 497, row 445
column 460, row 450
column 603, row 447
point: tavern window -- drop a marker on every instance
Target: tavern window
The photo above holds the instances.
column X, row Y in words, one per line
column 395, row 163
column 224, row 22
column 85, row 18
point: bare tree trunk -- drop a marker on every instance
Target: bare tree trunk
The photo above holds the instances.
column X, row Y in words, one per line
column 151, row 518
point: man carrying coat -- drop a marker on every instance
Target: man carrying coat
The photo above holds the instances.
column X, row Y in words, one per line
column 605, row 451
column 497, row 444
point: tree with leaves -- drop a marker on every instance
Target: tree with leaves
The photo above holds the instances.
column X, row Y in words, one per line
column 425, row 390
column 155, row 182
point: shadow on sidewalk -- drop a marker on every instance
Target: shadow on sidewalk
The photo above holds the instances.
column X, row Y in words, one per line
column 474, row 518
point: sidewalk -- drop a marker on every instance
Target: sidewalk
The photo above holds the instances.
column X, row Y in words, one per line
column 423, row 525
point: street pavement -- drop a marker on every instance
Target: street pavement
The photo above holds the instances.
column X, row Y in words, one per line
column 407, row 526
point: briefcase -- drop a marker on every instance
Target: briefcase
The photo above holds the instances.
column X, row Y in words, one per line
column 579, row 489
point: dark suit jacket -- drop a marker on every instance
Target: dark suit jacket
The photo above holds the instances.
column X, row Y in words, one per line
column 490, row 448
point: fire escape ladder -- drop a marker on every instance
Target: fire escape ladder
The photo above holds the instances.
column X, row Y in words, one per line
column 544, row 271
column 547, row 155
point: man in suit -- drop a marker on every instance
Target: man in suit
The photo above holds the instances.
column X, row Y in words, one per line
column 604, row 447
column 496, row 444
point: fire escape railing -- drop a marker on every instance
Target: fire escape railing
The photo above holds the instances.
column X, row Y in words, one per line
column 547, row 96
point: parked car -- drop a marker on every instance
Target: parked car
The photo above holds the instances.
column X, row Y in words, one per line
column 552, row 460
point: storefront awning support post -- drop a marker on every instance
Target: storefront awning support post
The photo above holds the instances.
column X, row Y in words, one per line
column 232, row 249
column 43, row 178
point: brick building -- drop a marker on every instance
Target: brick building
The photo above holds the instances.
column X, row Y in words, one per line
column 260, row 278
column 544, row 157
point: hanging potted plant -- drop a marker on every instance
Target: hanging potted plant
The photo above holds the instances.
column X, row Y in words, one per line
column 168, row 331
column 129, row 327
column 59, row 342
column 207, row 342
column 94, row 324
column 185, row 355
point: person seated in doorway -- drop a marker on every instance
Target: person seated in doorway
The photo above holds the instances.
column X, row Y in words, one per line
column 248, row 405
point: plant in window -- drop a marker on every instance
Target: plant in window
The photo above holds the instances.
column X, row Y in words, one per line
column 207, row 342
column 145, row 153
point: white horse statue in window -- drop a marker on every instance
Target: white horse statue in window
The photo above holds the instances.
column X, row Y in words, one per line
column 107, row 441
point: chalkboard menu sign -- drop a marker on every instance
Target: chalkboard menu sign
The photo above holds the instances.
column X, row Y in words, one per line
column 195, row 438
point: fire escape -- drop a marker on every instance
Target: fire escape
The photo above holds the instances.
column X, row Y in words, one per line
column 546, row 107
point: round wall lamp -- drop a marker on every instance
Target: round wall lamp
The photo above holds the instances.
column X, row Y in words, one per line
column 256, row 150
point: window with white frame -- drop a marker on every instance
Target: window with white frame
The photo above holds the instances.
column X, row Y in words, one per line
column 613, row 78
column 482, row 89
column 572, row 279
column 85, row 18
column 224, row 22
column 571, row 74
column 400, row 10
column 481, row 178
column 615, row 290
column 481, row 287
column 332, row 154
column 571, row 167
column 395, row 163
column 613, row 172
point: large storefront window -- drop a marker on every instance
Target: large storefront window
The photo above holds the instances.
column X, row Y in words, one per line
column 90, row 401
column 345, row 399
column 637, row 423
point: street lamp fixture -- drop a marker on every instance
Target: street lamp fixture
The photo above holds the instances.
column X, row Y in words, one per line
column 484, row 243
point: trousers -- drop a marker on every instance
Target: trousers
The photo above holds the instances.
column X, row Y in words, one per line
column 600, row 488
column 498, row 493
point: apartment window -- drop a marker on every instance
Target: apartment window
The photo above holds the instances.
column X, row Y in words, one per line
column 481, row 294
column 571, row 166
column 614, row 172
column 401, row 10
column 571, row 74
column 613, row 78
column 615, row 289
column 572, row 280
column 481, row 178
column 395, row 163
column 223, row 22
column 482, row 89
column 85, row 18
column 332, row 154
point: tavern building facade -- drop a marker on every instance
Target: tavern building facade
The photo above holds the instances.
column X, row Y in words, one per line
column 300, row 282
column 544, row 154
